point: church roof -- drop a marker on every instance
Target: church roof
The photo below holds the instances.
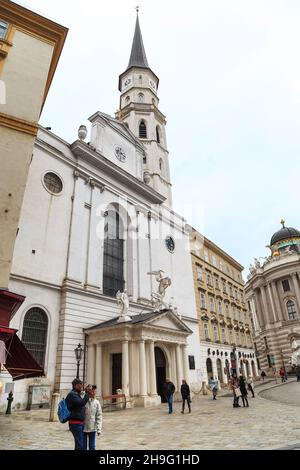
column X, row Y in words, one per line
column 284, row 233
column 138, row 55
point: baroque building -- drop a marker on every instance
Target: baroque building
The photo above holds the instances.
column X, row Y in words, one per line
column 224, row 323
column 97, row 219
column 273, row 295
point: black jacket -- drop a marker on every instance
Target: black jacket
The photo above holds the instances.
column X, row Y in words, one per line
column 168, row 388
column 243, row 389
column 185, row 391
column 76, row 405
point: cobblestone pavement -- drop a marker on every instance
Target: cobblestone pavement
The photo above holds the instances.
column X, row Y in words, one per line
column 289, row 393
column 211, row 425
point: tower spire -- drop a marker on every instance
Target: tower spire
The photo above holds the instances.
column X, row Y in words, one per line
column 138, row 55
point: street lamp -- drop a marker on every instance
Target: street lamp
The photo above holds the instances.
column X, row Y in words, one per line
column 78, row 354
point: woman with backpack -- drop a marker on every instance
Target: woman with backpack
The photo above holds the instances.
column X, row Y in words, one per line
column 92, row 421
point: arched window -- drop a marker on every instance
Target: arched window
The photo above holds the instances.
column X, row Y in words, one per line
column 34, row 334
column 127, row 99
column 161, row 166
column 141, row 98
column 291, row 309
column 209, row 368
column 142, row 130
column 158, row 134
column 113, row 261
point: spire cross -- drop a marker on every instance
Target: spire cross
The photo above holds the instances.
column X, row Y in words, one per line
column 137, row 8
column 282, row 223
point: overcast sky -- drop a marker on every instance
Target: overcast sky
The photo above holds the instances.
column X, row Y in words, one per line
column 230, row 87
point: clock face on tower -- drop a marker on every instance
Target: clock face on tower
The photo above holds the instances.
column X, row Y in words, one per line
column 152, row 84
column 120, row 154
column 127, row 82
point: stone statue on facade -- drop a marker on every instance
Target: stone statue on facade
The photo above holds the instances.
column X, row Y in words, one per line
column 157, row 298
column 123, row 302
column 257, row 263
column 295, row 357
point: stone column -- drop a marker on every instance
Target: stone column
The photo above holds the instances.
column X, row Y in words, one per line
column 91, row 364
column 224, row 371
column 185, row 361
column 244, row 370
column 142, row 369
column 297, row 292
column 153, row 390
column 258, row 310
column 266, row 313
column 178, row 367
column 271, row 303
column 279, row 312
column 98, row 368
column 125, row 368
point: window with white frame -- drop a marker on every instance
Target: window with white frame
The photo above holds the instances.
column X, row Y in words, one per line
column 223, row 335
column 216, row 333
column 3, row 29
column 214, row 261
column 220, row 307
column 206, row 331
column 199, row 273
column 227, row 309
column 206, row 256
column 141, row 98
column 208, row 279
column 221, row 266
column 202, row 300
column 212, row 304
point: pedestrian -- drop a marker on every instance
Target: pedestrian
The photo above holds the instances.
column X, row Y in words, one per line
column 263, row 374
column 186, row 396
column 282, row 374
column 235, row 391
column 213, row 384
column 92, row 420
column 298, row 374
column 76, row 405
column 168, row 390
column 243, row 389
column 250, row 385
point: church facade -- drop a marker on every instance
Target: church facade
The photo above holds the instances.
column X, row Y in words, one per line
column 97, row 219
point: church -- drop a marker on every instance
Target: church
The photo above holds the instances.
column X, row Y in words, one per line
column 97, row 224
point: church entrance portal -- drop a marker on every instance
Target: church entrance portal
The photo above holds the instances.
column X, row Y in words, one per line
column 160, row 366
column 116, row 381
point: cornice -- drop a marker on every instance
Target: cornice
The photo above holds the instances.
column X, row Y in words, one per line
column 19, row 125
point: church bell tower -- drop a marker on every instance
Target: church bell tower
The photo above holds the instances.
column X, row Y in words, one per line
column 139, row 110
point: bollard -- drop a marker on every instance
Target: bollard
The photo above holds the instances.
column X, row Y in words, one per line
column 119, row 405
column 10, row 399
column 204, row 391
column 54, row 406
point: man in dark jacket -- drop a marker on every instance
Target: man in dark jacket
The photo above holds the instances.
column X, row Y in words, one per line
column 186, row 395
column 76, row 406
column 169, row 389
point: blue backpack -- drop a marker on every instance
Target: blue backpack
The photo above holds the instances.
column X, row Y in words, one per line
column 63, row 411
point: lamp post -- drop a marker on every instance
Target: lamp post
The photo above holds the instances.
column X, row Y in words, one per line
column 78, row 354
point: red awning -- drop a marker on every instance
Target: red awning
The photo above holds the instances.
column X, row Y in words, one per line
column 9, row 304
column 19, row 362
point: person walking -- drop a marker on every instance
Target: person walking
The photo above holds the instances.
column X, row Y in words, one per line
column 186, row 396
column 213, row 384
column 243, row 389
column 250, row 385
column 282, row 374
column 263, row 374
column 168, row 390
column 92, row 420
column 235, row 391
column 76, row 406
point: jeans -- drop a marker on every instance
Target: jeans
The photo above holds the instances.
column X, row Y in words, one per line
column 170, row 403
column 251, row 390
column 91, row 438
column 77, row 431
column 188, row 400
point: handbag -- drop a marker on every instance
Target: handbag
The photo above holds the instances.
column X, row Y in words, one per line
column 238, row 392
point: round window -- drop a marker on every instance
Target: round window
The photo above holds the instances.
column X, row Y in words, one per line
column 170, row 244
column 53, row 183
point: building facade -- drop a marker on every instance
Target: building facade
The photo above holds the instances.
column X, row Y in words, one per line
column 96, row 219
column 224, row 323
column 30, row 47
column 273, row 295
